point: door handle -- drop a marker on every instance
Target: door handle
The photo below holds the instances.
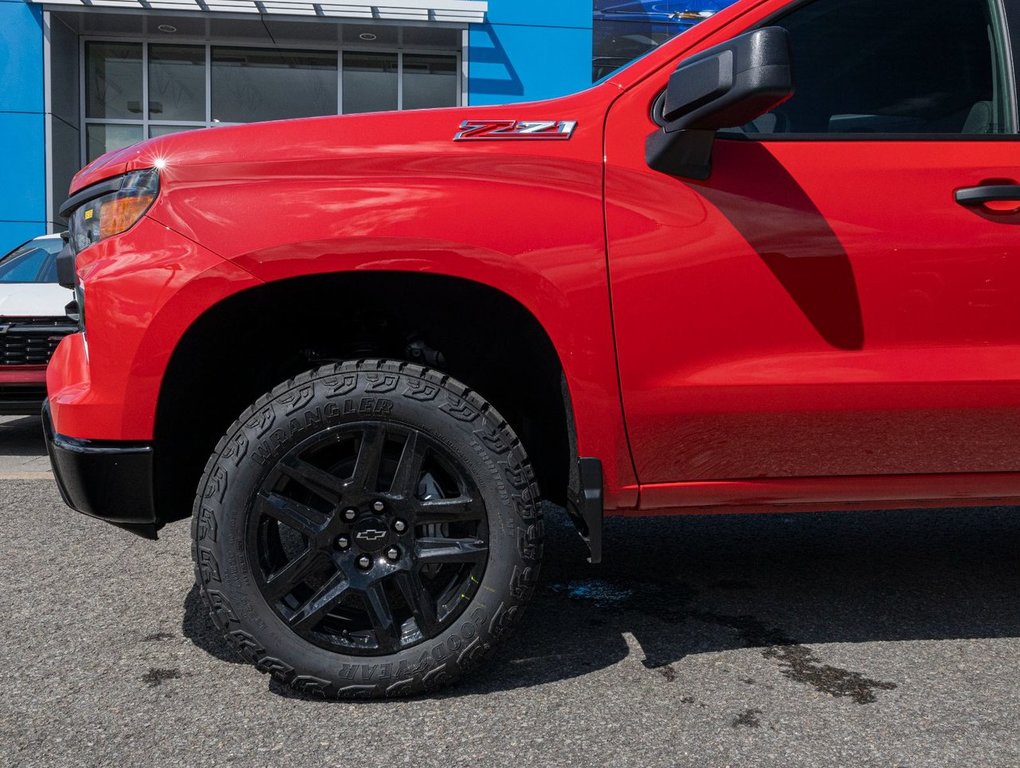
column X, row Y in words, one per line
column 972, row 197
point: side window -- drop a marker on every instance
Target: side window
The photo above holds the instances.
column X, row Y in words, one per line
column 894, row 67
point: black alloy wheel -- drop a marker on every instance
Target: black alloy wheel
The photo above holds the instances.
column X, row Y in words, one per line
column 368, row 538
column 367, row 529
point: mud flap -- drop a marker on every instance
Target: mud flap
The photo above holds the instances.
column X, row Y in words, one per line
column 584, row 504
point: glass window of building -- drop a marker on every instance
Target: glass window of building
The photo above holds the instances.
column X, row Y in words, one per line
column 370, row 82
column 101, row 138
column 138, row 89
column 177, row 82
column 251, row 84
column 166, row 130
column 113, row 80
column 429, row 81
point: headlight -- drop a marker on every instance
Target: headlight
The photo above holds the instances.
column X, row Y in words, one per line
column 115, row 211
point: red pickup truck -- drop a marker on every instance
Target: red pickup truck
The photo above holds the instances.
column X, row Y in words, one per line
column 771, row 265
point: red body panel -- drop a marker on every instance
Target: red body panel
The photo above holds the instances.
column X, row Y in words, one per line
column 744, row 385
column 358, row 193
column 143, row 292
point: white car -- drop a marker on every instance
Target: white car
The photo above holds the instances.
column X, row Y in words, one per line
column 33, row 320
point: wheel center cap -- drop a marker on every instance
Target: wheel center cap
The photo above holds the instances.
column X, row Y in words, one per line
column 372, row 534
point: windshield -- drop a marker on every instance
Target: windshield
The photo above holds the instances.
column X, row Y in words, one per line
column 33, row 262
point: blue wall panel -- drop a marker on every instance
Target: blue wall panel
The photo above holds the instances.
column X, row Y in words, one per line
column 547, row 13
column 510, row 63
column 23, row 170
column 14, row 233
column 528, row 50
column 21, row 57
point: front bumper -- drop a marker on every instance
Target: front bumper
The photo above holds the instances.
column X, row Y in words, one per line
column 105, row 479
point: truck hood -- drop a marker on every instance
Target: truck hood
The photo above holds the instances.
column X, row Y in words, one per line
column 333, row 137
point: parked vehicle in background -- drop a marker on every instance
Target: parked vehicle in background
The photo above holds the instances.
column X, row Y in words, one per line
column 33, row 320
column 359, row 351
column 621, row 32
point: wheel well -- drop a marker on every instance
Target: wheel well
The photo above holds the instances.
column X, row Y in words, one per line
column 250, row 342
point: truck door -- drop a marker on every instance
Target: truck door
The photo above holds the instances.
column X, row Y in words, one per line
column 839, row 297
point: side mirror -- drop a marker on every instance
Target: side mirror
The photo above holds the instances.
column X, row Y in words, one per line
column 726, row 86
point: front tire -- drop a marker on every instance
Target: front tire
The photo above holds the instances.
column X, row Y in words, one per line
column 367, row 529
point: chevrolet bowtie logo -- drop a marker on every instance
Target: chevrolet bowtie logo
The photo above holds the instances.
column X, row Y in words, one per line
column 370, row 535
column 4, row 327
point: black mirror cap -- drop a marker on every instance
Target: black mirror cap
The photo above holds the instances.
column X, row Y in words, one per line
column 726, row 86
column 731, row 83
column 65, row 267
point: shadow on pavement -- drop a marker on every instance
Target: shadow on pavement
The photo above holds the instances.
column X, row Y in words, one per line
column 783, row 584
column 21, row 436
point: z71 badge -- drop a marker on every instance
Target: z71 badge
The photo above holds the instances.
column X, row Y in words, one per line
column 504, row 130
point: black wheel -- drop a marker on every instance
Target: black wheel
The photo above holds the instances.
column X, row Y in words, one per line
column 367, row 529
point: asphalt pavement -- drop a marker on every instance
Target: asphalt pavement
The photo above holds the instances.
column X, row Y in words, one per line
column 22, row 449
column 884, row 638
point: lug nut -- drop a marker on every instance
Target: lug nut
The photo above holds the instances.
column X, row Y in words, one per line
column 364, row 562
column 350, row 514
column 399, row 526
column 343, row 542
column 378, row 506
column 392, row 554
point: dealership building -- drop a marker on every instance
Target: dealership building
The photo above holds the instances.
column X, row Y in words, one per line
column 85, row 76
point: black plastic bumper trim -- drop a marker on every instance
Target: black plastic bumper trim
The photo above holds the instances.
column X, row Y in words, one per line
column 108, row 480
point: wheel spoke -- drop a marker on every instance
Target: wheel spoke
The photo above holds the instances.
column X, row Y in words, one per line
column 436, row 551
column 412, row 458
column 370, row 452
column 380, row 613
column 283, row 581
column 317, row 480
column 419, row 600
column 448, row 510
column 293, row 514
column 307, row 617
